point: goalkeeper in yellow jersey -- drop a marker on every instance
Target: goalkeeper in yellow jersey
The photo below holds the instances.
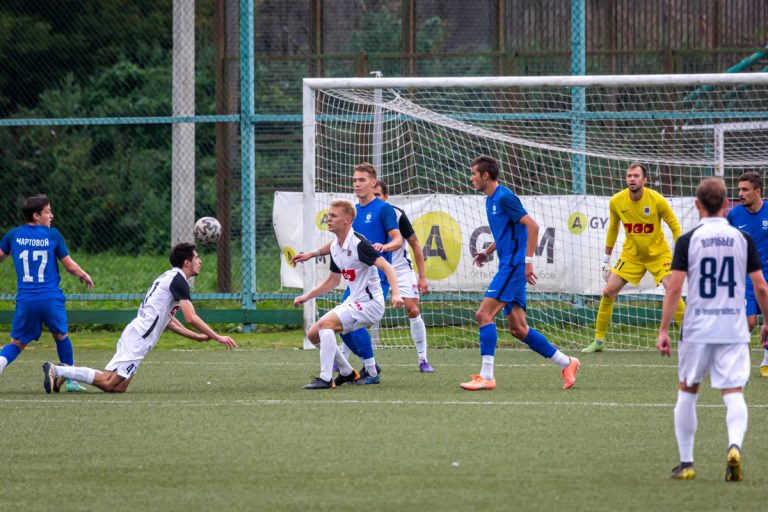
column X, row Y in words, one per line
column 640, row 211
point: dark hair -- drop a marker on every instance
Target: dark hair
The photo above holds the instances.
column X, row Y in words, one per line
column 366, row 167
column 636, row 165
column 753, row 178
column 485, row 163
column 181, row 253
column 711, row 194
column 34, row 204
column 383, row 186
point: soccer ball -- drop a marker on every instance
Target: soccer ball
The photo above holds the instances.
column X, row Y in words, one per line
column 207, row 230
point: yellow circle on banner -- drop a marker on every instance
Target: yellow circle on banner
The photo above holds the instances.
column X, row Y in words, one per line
column 321, row 220
column 440, row 238
column 577, row 223
column 288, row 254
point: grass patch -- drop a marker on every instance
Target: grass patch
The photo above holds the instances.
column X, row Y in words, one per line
column 207, row 429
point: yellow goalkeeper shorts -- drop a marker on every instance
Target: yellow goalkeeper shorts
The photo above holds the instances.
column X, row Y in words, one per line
column 633, row 271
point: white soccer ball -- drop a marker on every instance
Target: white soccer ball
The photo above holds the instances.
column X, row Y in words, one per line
column 207, row 230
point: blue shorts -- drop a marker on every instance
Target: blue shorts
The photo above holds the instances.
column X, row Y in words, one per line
column 508, row 286
column 752, row 307
column 29, row 318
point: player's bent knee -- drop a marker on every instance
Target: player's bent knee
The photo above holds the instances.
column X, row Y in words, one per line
column 519, row 332
column 20, row 345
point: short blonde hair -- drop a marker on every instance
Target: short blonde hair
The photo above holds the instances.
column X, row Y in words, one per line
column 346, row 207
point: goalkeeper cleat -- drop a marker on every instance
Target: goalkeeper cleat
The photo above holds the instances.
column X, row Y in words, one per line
column 478, row 383
column 49, row 377
column 318, row 383
column 683, row 471
column 764, row 370
column 351, row 378
column 733, row 471
column 569, row 373
column 368, row 380
column 595, row 346
column 425, row 367
column 72, row 386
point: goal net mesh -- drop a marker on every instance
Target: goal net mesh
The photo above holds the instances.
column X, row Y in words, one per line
column 564, row 151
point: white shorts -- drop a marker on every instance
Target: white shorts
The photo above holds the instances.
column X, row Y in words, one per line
column 354, row 315
column 728, row 364
column 131, row 349
column 406, row 282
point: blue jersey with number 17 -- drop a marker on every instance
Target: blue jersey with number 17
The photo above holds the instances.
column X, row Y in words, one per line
column 35, row 250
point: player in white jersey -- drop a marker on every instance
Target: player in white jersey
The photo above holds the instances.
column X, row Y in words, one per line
column 714, row 337
column 167, row 294
column 353, row 257
column 410, row 288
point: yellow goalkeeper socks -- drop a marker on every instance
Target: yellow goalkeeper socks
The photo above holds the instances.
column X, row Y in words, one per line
column 679, row 313
column 604, row 313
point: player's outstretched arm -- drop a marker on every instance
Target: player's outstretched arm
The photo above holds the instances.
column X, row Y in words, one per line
column 306, row 256
column 175, row 326
column 418, row 258
column 190, row 315
column 389, row 271
column 482, row 256
column 74, row 269
column 671, row 300
column 331, row 282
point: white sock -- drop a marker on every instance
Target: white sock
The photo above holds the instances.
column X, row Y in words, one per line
column 341, row 362
column 3, row 364
column 561, row 359
column 685, row 424
column 486, row 371
column 327, row 352
column 374, row 332
column 419, row 335
column 736, row 416
column 78, row 373
column 370, row 366
column 765, row 359
column 345, row 350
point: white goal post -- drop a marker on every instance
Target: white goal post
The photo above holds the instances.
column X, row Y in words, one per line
column 564, row 157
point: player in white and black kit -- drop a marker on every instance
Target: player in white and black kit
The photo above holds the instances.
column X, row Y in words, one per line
column 167, row 294
column 714, row 337
column 410, row 288
column 353, row 257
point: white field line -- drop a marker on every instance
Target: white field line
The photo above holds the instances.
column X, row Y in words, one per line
column 282, row 364
column 451, row 403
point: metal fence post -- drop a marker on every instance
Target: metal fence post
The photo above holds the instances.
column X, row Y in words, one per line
column 247, row 155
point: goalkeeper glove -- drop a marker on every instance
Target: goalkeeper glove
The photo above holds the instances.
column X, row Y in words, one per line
column 606, row 267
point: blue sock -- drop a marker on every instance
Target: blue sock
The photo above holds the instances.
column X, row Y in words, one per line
column 539, row 343
column 348, row 341
column 362, row 341
column 488, row 338
column 10, row 352
column 66, row 352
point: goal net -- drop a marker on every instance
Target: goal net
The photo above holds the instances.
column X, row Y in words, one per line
column 564, row 144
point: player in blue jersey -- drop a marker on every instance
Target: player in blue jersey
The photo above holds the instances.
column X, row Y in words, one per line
column 35, row 248
column 377, row 222
column 751, row 216
column 515, row 234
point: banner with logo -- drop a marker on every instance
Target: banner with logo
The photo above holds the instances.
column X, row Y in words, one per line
column 453, row 228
